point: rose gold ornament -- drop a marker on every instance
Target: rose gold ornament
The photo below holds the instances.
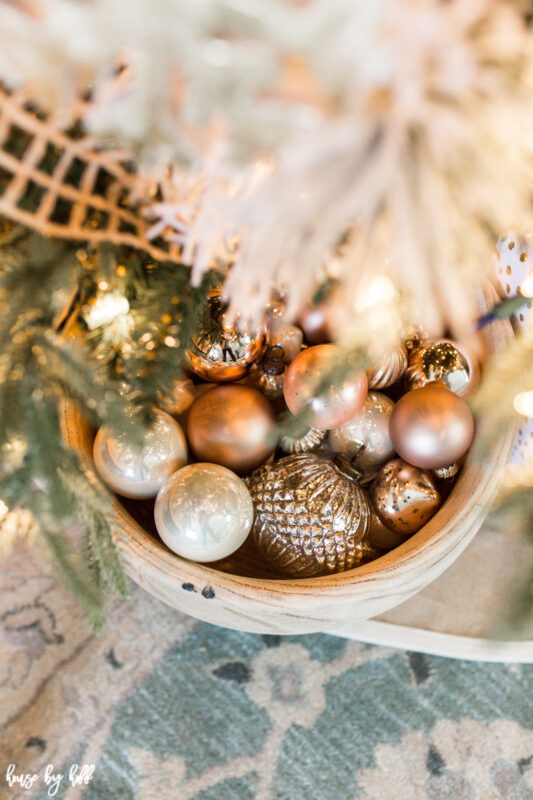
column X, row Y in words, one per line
column 431, row 427
column 364, row 439
column 311, row 517
column 290, row 338
column 180, row 398
column 404, row 497
column 233, row 426
column 342, row 398
column 314, row 322
column 221, row 353
column 444, row 361
column 269, row 377
column 387, row 369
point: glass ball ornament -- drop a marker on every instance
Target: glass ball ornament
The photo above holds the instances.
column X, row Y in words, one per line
column 404, row 497
column 443, row 361
column 431, row 427
column 204, row 512
column 139, row 472
column 221, row 353
column 232, row 425
column 365, row 439
column 342, row 399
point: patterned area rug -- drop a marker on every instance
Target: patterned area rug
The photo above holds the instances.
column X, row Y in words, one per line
column 166, row 707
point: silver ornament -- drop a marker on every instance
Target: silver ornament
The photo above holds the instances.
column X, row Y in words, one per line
column 140, row 472
column 365, row 440
column 204, row 512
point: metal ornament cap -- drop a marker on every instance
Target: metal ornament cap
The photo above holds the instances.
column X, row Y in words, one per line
column 431, row 427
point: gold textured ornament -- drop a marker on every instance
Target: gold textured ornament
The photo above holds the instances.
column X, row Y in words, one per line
column 388, row 368
column 404, row 497
column 305, row 443
column 311, row 516
column 221, row 353
column 447, row 473
column 444, row 361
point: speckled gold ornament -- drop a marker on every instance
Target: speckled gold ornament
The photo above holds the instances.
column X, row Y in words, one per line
column 311, row 516
column 221, row 353
column 387, row 369
column 404, row 497
column 444, row 361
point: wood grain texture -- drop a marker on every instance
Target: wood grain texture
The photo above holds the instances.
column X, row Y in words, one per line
column 242, row 593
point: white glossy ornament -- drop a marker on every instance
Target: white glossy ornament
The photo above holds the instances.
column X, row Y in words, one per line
column 365, row 439
column 140, row 472
column 204, row 512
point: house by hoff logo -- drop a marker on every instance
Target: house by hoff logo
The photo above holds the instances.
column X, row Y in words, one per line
column 77, row 775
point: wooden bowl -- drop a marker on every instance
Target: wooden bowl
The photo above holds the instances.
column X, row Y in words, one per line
column 243, row 593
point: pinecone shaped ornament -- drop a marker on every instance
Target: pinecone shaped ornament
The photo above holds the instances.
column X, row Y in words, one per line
column 311, row 515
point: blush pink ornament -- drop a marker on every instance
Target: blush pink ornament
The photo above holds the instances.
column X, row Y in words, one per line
column 335, row 404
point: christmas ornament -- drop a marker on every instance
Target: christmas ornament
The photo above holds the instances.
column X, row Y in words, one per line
column 365, row 439
column 329, row 408
column 269, row 375
column 233, row 426
column 404, row 497
column 514, row 272
column 221, row 353
column 307, row 442
column 311, row 517
column 314, row 322
column 431, row 427
column 180, row 398
column 381, row 537
column 388, row 369
column 140, row 472
column 444, row 361
column 204, row 512
column 290, row 338
column 446, row 473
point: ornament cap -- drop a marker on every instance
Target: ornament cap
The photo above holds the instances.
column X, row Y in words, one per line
column 347, row 468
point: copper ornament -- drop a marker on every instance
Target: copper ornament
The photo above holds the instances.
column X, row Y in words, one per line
column 221, row 353
column 431, row 427
column 314, row 321
column 342, row 398
column 311, row 517
column 381, row 537
column 444, row 361
column 303, row 444
column 364, row 439
column 404, row 497
column 233, row 426
column 388, row 368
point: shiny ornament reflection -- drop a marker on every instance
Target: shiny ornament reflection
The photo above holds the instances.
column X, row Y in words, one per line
column 444, row 361
column 340, row 401
column 431, row 427
column 404, row 497
column 232, row 425
column 140, row 472
column 365, row 438
column 204, row 512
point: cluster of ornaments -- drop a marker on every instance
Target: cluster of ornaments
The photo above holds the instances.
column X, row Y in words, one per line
column 367, row 467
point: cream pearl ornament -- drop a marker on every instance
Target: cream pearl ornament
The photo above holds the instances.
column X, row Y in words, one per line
column 140, row 472
column 364, row 439
column 204, row 512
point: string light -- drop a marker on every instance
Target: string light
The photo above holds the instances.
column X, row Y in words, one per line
column 105, row 309
column 523, row 403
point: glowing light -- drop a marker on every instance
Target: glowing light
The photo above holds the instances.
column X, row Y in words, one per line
column 380, row 290
column 523, row 404
column 105, row 309
column 527, row 285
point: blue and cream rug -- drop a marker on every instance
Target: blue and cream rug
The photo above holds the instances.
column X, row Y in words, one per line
column 160, row 706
